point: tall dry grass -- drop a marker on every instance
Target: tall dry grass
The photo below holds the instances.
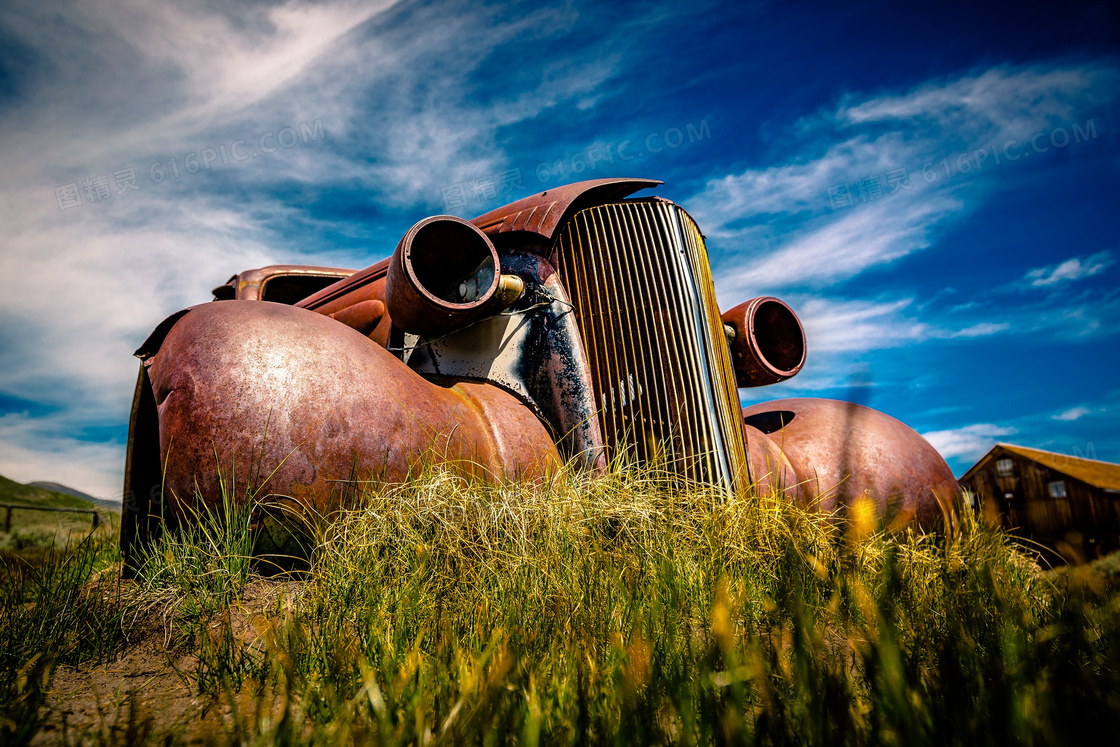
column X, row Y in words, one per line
column 631, row 609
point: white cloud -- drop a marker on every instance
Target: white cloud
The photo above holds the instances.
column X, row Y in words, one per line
column 136, row 82
column 139, row 77
column 983, row 329
column 1072, row 269
column 1002, row 102
column 1059, row 316
column 968, row 442
column 45, row 448
column 849, row 325
column 790, row 187
column 843, row 247
column 841, row 333
column 820, row 240
column 1073, row 413
column 833, row 325
column 772, row 228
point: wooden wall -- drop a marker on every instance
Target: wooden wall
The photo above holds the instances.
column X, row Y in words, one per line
column 1084, row 524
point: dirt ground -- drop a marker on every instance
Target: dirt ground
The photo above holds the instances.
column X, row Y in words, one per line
column 146, row 690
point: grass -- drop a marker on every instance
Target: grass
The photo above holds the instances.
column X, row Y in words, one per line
column 14, row 492
column 44, row 529
column 58, row 605
column 621, row 609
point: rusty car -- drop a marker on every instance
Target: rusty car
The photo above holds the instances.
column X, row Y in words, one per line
column 578, row 326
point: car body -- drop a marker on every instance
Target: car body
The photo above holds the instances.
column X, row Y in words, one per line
column 576, row 325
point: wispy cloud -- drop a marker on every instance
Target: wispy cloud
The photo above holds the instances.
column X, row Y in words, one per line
column 839, row 249
column 836, row 325
column 778, row 228
column 136, row 83
column 47, row 448
column 1060, row 315
column 130, row 79
column 406, row 95
column 1073, row 413
column 968, row 442
column 1002, row 102
column 1063, row 433
column 1072, row 269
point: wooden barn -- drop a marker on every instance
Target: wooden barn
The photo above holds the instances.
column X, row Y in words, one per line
column 1068, row 504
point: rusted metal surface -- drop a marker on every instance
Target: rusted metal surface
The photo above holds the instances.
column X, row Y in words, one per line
column 771, row 471
column 300, row 406
column 338, row 295
column 533, row 349
column 442, row 276
column 363, row 316
column 840, row 451
column 359, row 288
column 769, row 341
column 538, row 217
column 573, row 323
column 642, row 293
column 253, row 285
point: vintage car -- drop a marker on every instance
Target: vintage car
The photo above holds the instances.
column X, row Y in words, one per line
column 576, row 325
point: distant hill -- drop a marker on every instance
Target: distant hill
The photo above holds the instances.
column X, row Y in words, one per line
column 15, row 492
column 56, row 487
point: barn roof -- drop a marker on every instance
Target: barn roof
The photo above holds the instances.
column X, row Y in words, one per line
column 1104, row 475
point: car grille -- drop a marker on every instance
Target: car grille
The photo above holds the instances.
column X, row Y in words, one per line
column 638, row 276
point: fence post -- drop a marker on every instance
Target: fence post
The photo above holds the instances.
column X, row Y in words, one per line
column 8, row 521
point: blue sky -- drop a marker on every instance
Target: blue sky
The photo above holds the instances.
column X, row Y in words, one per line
column 933, row 190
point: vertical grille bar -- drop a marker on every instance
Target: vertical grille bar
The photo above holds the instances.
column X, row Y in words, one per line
column 719, row 360
column 652, row 362
column 638, row 276
column 682, row 316
column 642, row 416
column 714, row 455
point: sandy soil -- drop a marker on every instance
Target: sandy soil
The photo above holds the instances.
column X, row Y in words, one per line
column 146, row 691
